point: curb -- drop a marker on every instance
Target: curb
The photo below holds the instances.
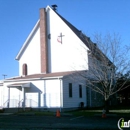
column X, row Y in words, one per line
column 5, row 114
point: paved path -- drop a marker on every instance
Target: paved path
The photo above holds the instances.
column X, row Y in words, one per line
column 33, row 122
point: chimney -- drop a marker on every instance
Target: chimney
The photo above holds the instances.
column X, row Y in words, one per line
column 25, row 69
column 54, row 7
column 43, row 41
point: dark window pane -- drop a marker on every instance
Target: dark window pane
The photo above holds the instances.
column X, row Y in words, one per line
column 70, row 89
column 80, row 91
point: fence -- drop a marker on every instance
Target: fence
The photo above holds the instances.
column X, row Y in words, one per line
column 13, row 103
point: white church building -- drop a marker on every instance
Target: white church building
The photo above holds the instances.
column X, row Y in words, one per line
column 48, row 62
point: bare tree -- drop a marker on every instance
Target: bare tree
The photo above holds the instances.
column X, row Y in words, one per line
column 107, row 57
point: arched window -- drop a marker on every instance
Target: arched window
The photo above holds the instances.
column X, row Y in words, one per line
column 25, row 69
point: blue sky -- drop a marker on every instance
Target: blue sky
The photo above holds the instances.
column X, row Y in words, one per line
column 18, row 17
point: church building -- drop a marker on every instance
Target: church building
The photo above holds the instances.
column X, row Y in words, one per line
column 49, row 59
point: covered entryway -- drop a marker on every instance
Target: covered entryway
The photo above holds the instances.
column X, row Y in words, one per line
column 18, row 102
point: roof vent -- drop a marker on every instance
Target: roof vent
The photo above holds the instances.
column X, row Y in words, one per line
column 89, row 39
column 95, row 44
column 80, row 33
column 54, row 7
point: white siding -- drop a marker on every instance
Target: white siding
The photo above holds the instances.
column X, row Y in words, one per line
column 41, row 93
column 1, row 96
column 68, row 56
column 75, row 100
column 71, row 54
column 34, row 94
column 53, row 93
column 15, row 96
column 31, row 55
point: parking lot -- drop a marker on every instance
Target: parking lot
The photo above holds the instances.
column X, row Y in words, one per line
column 33, row 122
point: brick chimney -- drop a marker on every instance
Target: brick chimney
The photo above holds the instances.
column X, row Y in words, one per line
column 43, row 40
column 25, row 69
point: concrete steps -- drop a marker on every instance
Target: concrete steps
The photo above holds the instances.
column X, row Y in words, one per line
column 1, row 110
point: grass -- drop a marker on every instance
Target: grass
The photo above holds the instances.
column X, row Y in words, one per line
column 85, row 112
column 44, row 113
column 38, row 113
column 98, row 111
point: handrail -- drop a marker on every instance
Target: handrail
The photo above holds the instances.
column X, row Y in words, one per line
column 31, row 103
column 20, row 102
column 13, row 103
column 5, row 102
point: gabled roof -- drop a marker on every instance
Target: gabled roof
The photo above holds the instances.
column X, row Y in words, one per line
column 84, row 38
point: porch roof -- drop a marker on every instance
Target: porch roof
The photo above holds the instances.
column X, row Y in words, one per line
column 23, row 85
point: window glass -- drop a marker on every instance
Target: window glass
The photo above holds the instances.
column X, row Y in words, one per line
column 70, row 89
column 80, row 91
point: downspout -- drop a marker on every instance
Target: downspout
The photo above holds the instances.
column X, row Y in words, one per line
column 23, row 103
column 8, row 97
column 45, row 106
column 60, row 93
column 90, row 97
column 1, row 97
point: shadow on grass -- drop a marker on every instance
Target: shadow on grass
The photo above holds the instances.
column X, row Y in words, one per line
column 37, row 113
column 88, row 112
column 117, row 111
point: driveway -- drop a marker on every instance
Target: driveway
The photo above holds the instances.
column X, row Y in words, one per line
column 33, row 122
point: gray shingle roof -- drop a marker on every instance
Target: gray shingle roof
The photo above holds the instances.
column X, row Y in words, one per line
column 41, row 75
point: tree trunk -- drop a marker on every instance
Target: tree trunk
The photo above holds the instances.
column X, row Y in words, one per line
column 106, row 105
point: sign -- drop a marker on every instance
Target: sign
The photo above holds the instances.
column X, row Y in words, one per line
column 123, row 124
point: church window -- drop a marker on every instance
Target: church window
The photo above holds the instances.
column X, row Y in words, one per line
column 80, row 91
column 25, row 69
column 70, row 89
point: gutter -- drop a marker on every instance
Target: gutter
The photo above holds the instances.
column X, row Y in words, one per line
column 33, row 79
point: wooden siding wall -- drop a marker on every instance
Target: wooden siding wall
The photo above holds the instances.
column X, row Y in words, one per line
column 75, row 100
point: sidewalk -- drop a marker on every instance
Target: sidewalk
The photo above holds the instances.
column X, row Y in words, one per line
column 5, row 114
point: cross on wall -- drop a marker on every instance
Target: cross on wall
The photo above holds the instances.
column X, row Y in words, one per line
column 60, row 38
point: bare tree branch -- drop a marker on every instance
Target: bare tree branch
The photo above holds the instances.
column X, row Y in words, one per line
column 106, row 58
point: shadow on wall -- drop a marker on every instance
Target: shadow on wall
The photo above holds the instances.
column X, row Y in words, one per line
column 33, row 96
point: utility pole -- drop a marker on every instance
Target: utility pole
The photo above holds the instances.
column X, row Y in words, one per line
column 4, row 75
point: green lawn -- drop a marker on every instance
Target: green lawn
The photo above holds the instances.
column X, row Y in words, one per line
column 45, row 113
column 38, row 113
column 85, row 112
column 94, row 112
